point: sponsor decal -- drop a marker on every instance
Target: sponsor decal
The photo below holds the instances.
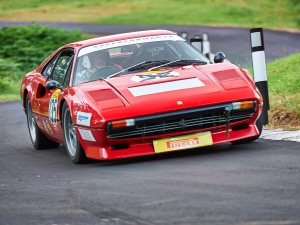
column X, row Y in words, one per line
column 182, row 144
column 52, row 112
column 154, row 75
column 166, row 86
column 84, row 118
column 86, row 135
column 119, row 43
column 47, row 127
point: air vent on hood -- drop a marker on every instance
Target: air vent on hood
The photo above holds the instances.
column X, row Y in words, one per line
column 106, row 99
column 226, row 75
column 103, row 95
column 230, row 79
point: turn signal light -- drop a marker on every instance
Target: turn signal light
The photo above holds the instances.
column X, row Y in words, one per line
column 122, row 123
column 243, row 105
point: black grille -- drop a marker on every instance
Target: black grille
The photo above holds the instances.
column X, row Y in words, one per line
column 185, row 120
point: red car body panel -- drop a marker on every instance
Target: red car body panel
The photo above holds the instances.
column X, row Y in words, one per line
column 114, row 99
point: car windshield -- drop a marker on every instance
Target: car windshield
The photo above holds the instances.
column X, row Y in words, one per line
column 108, row 60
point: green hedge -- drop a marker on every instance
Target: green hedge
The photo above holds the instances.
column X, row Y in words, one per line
column 23, row 48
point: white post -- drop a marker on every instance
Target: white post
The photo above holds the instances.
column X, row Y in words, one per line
column 259, row 68
column 206, row 45
column 184, row 35
column 197, row 43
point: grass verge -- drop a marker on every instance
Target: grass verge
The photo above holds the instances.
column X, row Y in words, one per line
column 284, row 92
column 241, row 13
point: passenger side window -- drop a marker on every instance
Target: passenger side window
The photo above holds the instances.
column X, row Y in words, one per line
column 61, row 67
column 47, row 71
column 68, row 75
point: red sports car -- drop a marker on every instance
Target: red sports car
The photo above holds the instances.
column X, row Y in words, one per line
column 138, row 94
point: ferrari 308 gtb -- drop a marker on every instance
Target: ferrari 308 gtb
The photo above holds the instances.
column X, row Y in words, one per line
column 137, row 94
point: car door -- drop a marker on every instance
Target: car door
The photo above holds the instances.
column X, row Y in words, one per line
column 58, row 69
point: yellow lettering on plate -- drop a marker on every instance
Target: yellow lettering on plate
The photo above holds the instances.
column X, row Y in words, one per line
column 183, row 142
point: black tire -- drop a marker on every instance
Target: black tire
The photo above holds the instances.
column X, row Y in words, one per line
column 38, row 139
column 73, row 146
column 259, row 124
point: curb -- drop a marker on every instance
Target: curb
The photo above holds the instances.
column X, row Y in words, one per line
column 280, row 134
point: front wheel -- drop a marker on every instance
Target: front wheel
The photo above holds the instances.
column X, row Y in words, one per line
column 74, row 148
column 39, row 140
column 259, row 124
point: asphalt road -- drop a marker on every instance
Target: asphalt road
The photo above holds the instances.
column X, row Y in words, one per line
column 253, row 184
column 234, row 42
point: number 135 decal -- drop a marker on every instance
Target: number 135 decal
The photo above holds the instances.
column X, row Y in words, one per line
column 53, row 106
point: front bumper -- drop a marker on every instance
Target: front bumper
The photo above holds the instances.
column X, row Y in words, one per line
column 105, row 149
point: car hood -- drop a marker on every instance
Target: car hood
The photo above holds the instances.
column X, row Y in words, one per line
column 166, row 90
column 171, row 89
column 177, row 83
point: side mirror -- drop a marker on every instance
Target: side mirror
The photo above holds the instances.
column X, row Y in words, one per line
column 219, row 57
column 53, row 84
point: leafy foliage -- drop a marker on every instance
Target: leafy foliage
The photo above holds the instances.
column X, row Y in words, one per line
column 29, row 45
column 23, row 48
column 9, row 74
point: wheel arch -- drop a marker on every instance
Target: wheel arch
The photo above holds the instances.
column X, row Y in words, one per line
column 24, row 100
column 25, row 94
column 69, row 103
column 62, row 102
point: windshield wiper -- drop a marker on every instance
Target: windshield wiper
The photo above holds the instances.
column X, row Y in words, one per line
column 181, row 62
column 138, row 66
column 146, row 63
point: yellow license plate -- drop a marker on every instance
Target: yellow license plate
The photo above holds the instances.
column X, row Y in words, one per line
column 183, row 142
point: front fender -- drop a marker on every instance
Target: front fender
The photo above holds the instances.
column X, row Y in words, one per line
column 80, row 103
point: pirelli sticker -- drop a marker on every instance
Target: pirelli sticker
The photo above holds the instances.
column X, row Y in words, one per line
column 53, row 106
column 183, row 142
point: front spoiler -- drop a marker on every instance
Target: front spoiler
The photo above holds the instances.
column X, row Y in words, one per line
column 97, row 150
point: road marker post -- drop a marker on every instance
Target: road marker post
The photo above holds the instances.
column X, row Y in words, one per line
column 259, row 68
column 206, row 45
column 197, row 42
column 184, row 35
